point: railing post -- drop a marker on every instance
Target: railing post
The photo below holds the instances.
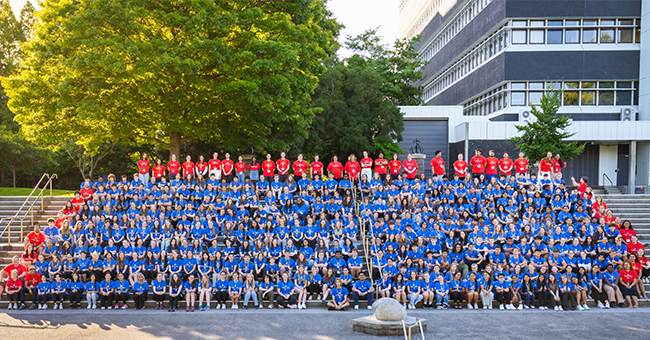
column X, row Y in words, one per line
column 50, row 187
column 9, row 233
column 42, row 208
column 32, row 211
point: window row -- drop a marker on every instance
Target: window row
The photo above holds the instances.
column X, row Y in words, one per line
column 571, row 32
column 575, row 98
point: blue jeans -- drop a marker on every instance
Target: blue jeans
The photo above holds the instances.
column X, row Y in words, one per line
column 248, row 296
column 367, row 296
column 254, row 175
column 442, row 300
column 241, row 177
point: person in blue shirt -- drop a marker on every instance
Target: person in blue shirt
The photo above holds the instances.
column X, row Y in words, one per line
column 75, row 287
column 106, row 292
column 337, row 262
column 597, row 287
column 362, row 289
column 339, row 297
column 159, row 289
column 121, row 287
column 285, row 290
column 266, row 290
column 414, row 290
column 503, row 293
column 205, row 293
column 456, row 290
column 190, row 287
column 58, row 290
column 92, row 292
column 221, row 290
column 175, row 291
column 140, row 292
column 44, row 292
column 235, row 289
column 566, row 289
column 441, row 289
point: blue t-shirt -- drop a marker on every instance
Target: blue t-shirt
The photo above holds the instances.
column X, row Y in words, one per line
column 121, row 287
column 158, row 285
column 141, row 287
column 339, row 295
column 285, row 288
column 363, row 286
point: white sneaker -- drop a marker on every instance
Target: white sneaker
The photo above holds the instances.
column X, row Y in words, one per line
column 469, row 306
column 318, row 298
column 490, row 306
column 512, row 307
column 525, row 306
column 311, row 297
column 233, row 307
column 556, row 308
column 560, row 308
column 580, row 308
column 607, row 305
column 370, row 307
column 271, row 305
column 600, row 305
column 15, row 306
column 585, row 307
column 45, row 306
column 485, row 307
column 94, row 306
column 501, row 307
column 520, row 307
column 103, row 307
column 476, row 306
column 356, row 307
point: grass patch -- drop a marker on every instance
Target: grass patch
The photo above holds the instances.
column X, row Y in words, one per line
column 26, row 191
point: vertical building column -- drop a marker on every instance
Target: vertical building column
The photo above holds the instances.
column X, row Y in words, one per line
column 644, row 67
column 632, row 178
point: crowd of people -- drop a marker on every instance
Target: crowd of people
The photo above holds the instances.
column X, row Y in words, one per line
column 286, row 232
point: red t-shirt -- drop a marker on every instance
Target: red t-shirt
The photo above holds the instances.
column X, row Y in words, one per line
column 268, row 168
column 77, row 202
column 299, row 167
column 283, row 165
column 143, row 166
column 14, row 285
column 214, row 164
column 631, row 247
column 478, row 164
column 381, row 166
column 521, row 165
column 557, row 165
column 201, row 166
column 86, row 193
column 438, row 166
column 545, row 165
column 353, row 169
column 336, row 168
column 228, row 165
column 188, row 169
column 240, row 167
column 174, row 167
column 32, row 280
column 505, row 165
column 628, row 276
column 394, row 167
column 158, row 171
column 317, row 168
column 20, row 268
column 366, row 162
column 492, row 166
column 460, row 168
column 254, row 166
column 411, row 168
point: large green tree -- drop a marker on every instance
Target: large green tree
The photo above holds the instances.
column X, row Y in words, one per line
column 547, row 132
column 168, row 71
column 358, row 98
column 11, row 34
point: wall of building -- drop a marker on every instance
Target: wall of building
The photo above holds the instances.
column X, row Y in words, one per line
column 572, row 8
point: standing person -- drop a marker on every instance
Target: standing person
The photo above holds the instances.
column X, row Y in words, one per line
column 339, row 297
column 394, row 167
column 505, row 165
column 268, row 167
column 628, row 282
column 159, row 289
column 285, row 290
column 541, row 291
column 438, row 165
column 141, row 291
column 299, row 167
column 205, row 293
column 92, row 289
column 335, row 167
column 410, row 166
column 300, row 282
column 460, row 168
column 283, row 165
column 201, row 167
column 175, row 289
column 227, row 167
column 240, row 170
column 254, row 170
column 554, row 292
column 352, row 168
column 381, row 167
column 13, row 287
column 366, row 165
column 491, row 166
column 215, row 166
column 546, row 166
column 566, row 294
column 59, row 288
column 362, row 289
column 478, row 163
column 143, row 169
column 316, row 167
column 188, row 168
column 521, row 165
column 174, row 167
column 597, row 291
column 221, row 290
column 158, row 170
column 558, row 164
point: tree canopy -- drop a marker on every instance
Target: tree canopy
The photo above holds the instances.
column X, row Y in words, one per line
column 548, row 131
column 358, row 97
column 167, row 71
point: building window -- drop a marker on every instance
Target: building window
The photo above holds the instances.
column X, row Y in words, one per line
column 588, row 98
column 535, row 98
column 605, row 98
column 536, row 36
column 572, row 36
column 589, row 36
column 623, row 98
column 518, row 99
column 554, row 37
column 570, row 98
column 606, row 36
column 518, row 36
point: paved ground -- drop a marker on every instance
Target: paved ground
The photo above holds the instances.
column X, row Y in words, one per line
column 318, row 324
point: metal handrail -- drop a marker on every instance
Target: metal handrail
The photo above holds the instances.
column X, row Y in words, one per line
column 609, row 179
column 29, row 210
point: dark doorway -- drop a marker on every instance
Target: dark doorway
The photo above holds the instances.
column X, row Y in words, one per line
column 623, row 173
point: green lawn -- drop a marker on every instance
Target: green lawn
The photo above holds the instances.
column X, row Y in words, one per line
column 26, row 191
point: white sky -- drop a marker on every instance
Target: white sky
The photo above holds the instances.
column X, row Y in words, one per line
column 356, row 15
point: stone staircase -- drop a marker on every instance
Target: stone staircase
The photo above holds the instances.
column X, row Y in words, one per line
column 636, row 209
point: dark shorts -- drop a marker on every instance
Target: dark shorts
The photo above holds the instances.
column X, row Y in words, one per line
column 628, row 291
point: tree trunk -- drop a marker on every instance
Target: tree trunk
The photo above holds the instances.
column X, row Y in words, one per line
column 14, row 172
column 175, row 144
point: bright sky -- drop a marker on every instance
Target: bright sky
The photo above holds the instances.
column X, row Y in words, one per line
column 356, row 15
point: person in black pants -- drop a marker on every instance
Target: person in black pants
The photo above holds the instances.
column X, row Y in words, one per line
column 74, row 291
column 566, row 294
column 106, row 292
column 30, row 287
column 541, row 291
column 221, row 291
column 140, row 292
column 504, row 292
column 597, row 290
column 121, row 291
column 175, row 288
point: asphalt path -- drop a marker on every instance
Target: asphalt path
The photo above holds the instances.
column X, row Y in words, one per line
column 318, row 324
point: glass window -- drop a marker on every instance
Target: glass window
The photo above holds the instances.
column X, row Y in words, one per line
column 623, row 97
column 518, row 99
column 589, row 37
column 537, row 23
column 607, row 22
column 605, row 97
column 606, row 85
column 536, row 36
column 535, row 98
column 588, row 97
column 571, row 85
column 589, row 22
column 625, row 35
column 554, row 37
column 553, row 86
column 572, row 23
column 588, row 85
column 626, row 22
column 519, row 37
column 606, row 36
column 624, row 84
column 637, row 37
column 554, row 23
column 518, row 86
column 519, row 23
column 571, row 98
column 536, row 86
column 572, row 36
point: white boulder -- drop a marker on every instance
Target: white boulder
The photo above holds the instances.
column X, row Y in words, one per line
column 387, row 309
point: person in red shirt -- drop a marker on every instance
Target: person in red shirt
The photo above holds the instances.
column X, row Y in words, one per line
column 268, row 167
column 335, row 167
column 438, row 164
column 352, row 168
column 366, row 166
column 558, row 164
column 215, row 166
column 546, row 166
column 188, row 167
column 87, row 192
column 521, row 165
column 240, row 169
column 77, row 201
column 316, row 167
column 633, row 246
column 254, row 170
column 582, row 186
column 505, row 165
column 283, row 165
column 6, row 272
column 478, row 163
column 13, row 287
column 491, row 166
column 299, row 166
column 394, row 167
column 201, row 167
column 381, row 167
column 460, row 167
column 410, row 167
column 629, row 280
column 32, row 279
column 227, row 167
column 174, row 167
column 158, row 169
column 143, row 169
